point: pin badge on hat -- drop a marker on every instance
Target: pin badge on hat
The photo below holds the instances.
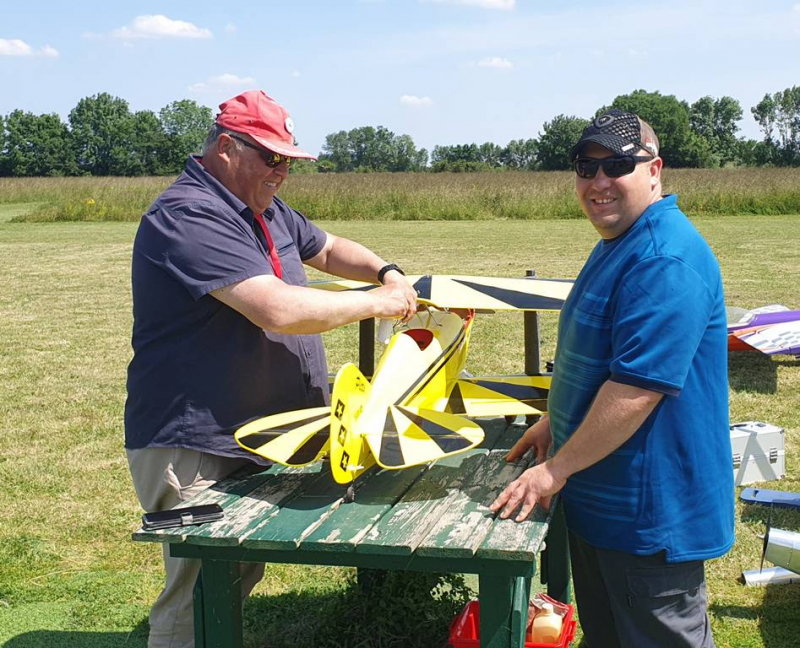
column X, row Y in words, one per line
column 603, row 120
column 289, row 124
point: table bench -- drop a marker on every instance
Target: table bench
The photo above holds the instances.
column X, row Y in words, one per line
column 430, row 518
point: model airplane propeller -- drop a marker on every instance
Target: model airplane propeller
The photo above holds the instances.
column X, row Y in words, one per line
column 418, row 405
column 773, row 330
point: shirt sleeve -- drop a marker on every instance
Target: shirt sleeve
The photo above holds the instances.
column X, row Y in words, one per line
column 204, row 247
column 662, row 312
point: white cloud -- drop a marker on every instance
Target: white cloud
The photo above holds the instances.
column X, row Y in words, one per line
column 16, row 47
column 505, row 5
column 159, row 26
column 230, row 28
column 223, row 82
column 496, row 62
column 413, row 100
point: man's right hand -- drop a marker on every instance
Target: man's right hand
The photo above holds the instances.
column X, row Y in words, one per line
column 538, row 437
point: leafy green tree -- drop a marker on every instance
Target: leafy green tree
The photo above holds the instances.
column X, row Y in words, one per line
column 778, row 115
column 715, row 120
column 101, row 127
column 185, row 125
column 37, row 145
column 520, row 154
column 371, row 149
column 669, row 117
column 559, row 136
column 143, row 153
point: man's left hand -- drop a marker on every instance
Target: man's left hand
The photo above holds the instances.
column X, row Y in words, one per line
column 535, row 485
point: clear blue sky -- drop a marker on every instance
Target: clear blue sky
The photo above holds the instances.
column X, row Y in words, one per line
column 442, row 71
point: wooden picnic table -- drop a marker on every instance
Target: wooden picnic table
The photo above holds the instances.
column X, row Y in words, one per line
column 430, row 518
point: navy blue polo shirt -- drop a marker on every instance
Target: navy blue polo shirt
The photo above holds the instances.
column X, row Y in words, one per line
column 200, row 369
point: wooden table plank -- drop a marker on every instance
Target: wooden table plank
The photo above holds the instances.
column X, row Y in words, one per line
column 467, row 518
column 257, row 508
column 401, row 528
column 225, row 492
column 350, row 523
column 298, row 516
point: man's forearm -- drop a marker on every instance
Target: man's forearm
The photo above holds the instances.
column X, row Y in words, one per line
column 617, row 412
column 350, row 260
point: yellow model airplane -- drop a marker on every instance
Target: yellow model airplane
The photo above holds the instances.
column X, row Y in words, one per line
column 416, row 407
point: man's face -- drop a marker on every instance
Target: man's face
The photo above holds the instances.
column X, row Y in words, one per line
column 613, row 204
column 249, row 178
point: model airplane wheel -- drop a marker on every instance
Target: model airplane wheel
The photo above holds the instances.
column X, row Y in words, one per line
column 349, row 495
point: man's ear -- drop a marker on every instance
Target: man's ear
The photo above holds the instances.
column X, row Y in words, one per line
column 655, row 171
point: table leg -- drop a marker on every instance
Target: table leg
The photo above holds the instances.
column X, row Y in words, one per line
column 555, row 557
column 503, row 610
column 218, row 605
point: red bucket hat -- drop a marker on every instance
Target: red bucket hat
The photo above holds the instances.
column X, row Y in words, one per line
column 263, row 119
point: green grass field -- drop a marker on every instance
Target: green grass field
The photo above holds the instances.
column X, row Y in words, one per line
column 69, row 574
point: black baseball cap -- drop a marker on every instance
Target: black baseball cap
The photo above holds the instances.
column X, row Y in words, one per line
column 621, row 132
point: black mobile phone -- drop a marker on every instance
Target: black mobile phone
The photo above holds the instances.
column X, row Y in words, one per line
column 186, row 516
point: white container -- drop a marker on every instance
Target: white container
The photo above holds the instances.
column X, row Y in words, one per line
column 758, row 452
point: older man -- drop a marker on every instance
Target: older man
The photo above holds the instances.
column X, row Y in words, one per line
column 638, row 410
column 225, row 328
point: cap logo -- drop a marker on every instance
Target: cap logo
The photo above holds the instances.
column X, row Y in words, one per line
column 289, row 124
column 603, row 120
column 627, row 147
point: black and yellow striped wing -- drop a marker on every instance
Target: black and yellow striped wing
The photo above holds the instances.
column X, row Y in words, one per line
column 293, row 438
column 499, row 396
column 479, row 293
column 413, row 436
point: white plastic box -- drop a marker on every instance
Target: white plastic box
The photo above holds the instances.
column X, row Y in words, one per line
column 758, row 452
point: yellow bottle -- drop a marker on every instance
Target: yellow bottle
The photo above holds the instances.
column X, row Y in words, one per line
column 546, row 626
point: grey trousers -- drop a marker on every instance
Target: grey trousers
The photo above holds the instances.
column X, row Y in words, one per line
column 163, row 478
column 628, row 601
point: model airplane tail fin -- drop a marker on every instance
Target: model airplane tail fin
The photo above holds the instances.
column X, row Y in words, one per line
column 349, row 453
column 412, row 436
column 499, row 396
column 291, row 438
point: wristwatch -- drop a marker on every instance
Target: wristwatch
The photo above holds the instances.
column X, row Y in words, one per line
column 388, row 268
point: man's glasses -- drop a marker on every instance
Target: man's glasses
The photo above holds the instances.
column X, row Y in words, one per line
column 271, row 159
column 613, row 167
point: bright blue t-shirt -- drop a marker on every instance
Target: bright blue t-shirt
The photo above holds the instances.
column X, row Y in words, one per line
column 648, row 310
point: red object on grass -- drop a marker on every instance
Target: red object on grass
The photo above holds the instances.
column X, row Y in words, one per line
column 464, row 630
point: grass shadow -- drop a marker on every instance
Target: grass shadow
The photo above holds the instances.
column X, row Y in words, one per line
column 136, row 638
column 752, row 371
column 408, row 610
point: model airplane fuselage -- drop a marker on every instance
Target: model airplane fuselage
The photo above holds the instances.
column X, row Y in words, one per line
column 773, row 330
column 418, row 405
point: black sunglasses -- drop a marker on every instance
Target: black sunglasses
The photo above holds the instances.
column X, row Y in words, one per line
column 613, row 167
column 271, row 159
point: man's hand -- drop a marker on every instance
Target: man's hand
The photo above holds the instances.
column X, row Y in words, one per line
column 536, row 485
column 538, row 437
column 401, row 296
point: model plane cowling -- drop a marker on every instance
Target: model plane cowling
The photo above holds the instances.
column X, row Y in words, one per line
column 414, row 410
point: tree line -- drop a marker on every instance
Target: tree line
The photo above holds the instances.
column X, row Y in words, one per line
column 103, row 137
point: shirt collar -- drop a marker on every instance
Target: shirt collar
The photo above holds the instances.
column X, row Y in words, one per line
column 196, row 171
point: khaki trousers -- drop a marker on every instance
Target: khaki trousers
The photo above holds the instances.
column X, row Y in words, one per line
column 163, row 478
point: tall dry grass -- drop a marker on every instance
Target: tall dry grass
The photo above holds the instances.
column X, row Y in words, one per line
column 417, row 196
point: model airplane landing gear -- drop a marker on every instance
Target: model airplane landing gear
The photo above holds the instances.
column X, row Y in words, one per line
column 349, row 495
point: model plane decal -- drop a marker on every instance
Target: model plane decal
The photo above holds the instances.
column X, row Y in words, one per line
column 773, row 330
column 418, row 405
